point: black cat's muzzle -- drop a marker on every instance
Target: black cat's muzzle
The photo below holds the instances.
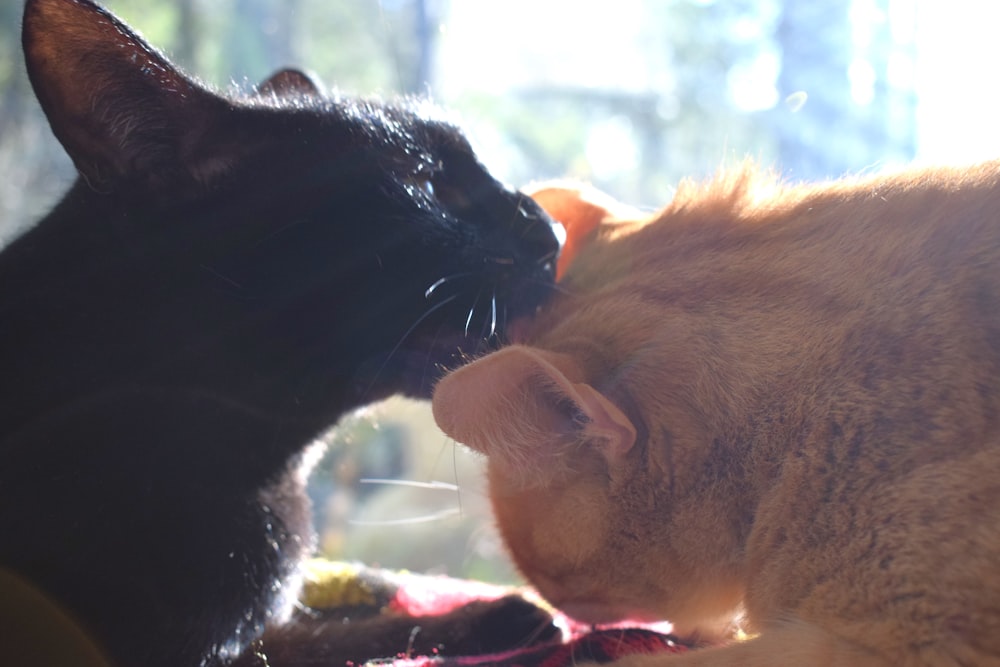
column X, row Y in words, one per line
column 509, row 276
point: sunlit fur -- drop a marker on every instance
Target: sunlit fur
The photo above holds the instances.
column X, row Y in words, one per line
column 813, row 373
column 230, row 275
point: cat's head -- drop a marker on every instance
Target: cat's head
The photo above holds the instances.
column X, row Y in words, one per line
column 596, row 436
column 348, row 244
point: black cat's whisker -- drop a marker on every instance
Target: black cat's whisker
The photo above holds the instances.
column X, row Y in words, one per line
column 431, row 348
column 395, row 349
column 556, row 286
column 493, row 313
column 441, row 281
column 221, row 276
column 472, row 312
column 551, row 257
column 313, row 381
column 272, row 234
column 484, row 335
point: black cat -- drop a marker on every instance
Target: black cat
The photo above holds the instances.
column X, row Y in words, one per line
column 228, row 276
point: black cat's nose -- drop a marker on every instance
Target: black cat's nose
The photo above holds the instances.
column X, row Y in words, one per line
column 543, row 237
column 519, row 234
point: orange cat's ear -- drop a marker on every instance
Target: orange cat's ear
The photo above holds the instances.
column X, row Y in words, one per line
column 581, row 209
column 529, row 410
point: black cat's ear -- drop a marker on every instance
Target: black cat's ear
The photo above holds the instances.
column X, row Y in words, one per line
column 121, row 110
column 290, row 82
column 530, row 410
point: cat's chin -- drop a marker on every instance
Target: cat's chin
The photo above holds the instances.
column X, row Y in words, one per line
column 415, row 370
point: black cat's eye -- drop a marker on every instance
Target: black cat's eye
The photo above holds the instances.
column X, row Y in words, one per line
column 451, row 197
column 431, row 182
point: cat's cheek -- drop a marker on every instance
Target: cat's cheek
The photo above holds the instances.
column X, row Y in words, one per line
column 554, row 534
column 556, row 523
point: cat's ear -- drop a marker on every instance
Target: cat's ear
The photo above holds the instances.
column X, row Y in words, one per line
column 581, row 209
column 290, row 82
column 121, row 110
column 530, row 410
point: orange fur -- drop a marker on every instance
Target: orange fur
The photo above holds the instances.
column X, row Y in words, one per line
column 581, row 210
column 792, row 408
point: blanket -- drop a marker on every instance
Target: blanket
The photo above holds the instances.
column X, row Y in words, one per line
column 365, row 616
column 369, row 594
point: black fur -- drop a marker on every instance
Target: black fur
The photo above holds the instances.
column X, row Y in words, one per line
column 227, row 278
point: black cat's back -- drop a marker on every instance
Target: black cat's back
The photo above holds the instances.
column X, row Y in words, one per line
column 228, row 276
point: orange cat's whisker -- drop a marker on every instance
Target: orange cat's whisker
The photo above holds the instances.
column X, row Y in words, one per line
column 426, row 518
column 434, row 484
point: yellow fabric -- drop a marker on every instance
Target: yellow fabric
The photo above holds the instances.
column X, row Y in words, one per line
column 333, row 584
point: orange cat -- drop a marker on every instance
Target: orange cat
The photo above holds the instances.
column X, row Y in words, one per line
column 778, row 400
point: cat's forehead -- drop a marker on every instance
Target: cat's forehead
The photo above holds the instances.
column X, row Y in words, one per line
column 612, row 333
column 346, row 135
column 407, row 125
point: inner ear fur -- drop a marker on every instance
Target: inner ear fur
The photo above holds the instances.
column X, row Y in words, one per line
column 121, row 109
column 527, row 409
column 290, row 82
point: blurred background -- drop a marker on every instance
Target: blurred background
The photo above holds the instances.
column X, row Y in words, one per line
column 632, row 95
